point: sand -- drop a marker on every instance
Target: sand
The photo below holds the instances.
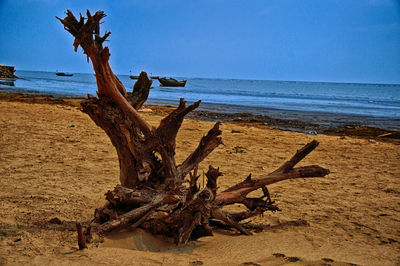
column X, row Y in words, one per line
column 56, row 163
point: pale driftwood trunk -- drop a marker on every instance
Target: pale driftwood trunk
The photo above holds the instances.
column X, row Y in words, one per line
column 153, row 194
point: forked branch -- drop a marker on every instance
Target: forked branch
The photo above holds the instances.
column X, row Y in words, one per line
column 207, row 144
column 108, row 84
column 238, row 192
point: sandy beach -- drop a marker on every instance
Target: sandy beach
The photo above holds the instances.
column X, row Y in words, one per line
column 56, row 163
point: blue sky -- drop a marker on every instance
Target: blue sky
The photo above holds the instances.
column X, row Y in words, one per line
column 311, row 40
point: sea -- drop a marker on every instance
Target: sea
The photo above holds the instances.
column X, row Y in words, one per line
column 324, row 103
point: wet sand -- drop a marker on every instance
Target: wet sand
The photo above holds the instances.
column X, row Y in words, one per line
column 339, row 128
column 56, row 163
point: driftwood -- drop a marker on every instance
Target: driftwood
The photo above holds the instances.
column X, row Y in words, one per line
column 81, row 238
column 156, row 193
column 140, row 92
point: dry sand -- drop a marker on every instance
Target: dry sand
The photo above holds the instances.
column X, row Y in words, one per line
column 55, row 162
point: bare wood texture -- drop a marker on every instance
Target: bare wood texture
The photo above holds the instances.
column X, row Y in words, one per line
column 207, row 144
column 128, row 217
column 81, row 238
column 136, row 153
column 140, row 92
column 87, row 35
column 135, row 164
column 238, row 192
column 226, row 218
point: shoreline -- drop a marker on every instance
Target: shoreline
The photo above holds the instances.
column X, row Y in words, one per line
column 202, row 114
column 339, row 113
column 308, row 119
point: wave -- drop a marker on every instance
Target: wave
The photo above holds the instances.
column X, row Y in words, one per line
column 380, row 100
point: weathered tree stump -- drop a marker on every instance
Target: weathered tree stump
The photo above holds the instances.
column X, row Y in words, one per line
column 155, row 193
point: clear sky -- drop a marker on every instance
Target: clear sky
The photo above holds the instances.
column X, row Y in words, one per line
column 305, row 40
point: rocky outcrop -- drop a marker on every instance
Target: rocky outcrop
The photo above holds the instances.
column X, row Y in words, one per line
column 7, row 72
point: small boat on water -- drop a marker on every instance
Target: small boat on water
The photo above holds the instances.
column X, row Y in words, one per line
column 136, row 77
column 64, row 74
column 171, row 82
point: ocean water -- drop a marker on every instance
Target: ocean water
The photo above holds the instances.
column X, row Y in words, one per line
column 324, row 103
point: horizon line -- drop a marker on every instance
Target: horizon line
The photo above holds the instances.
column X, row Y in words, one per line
column 229, row 78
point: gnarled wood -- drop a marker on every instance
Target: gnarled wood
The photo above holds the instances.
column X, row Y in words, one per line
column 238, row 192
column 81, row 238
column 207, row 144
column 140, row 92
column 87, row 35
column 153, row 193
column 129, row 217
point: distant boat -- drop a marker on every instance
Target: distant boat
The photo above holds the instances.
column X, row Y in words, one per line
column 136, row 77
column 64, row 74
column 171, row 82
